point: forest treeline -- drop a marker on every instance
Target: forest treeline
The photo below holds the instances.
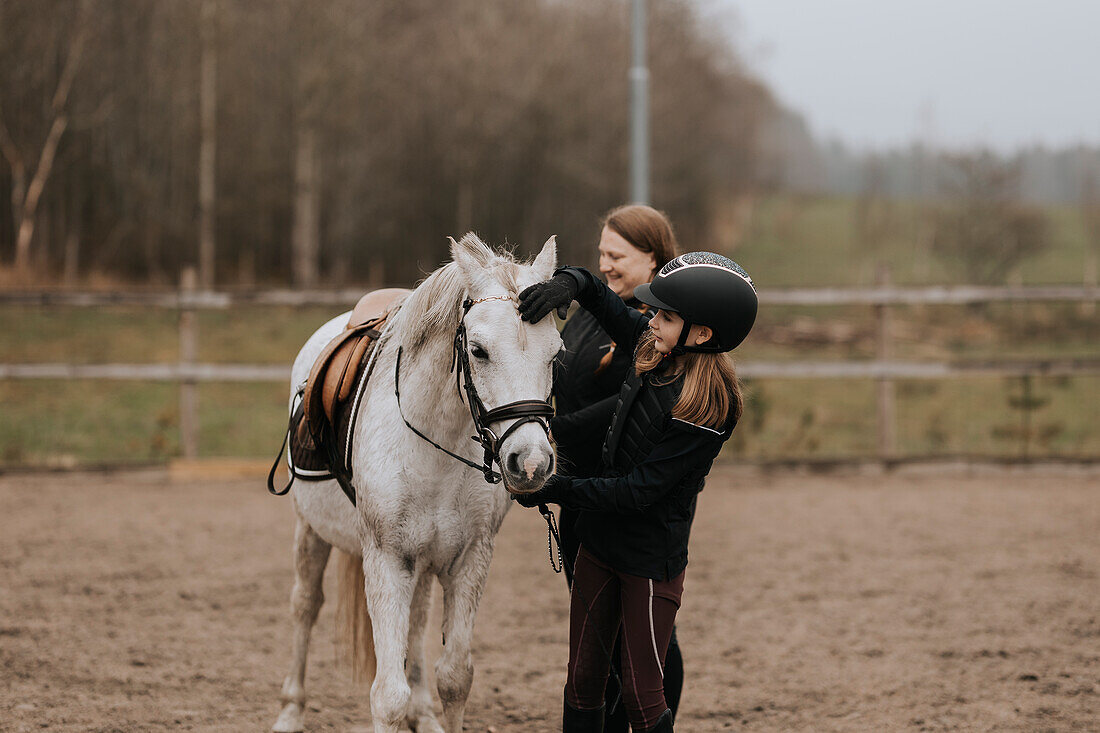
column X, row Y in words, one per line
column 344, row 140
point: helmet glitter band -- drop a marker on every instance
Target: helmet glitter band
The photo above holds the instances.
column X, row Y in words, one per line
column 705, row 259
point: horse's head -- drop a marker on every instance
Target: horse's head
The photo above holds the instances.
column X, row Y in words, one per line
column 510, row 360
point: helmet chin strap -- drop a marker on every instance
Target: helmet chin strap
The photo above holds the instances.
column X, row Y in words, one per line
column 682, row 347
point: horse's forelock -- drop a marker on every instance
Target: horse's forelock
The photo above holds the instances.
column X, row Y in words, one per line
column 435, row 306
column 506, row 272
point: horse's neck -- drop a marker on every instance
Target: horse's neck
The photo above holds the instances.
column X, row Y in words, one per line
column 430, row 399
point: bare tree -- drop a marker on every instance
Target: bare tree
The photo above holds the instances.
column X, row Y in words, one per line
column 984, row 230
column 874, row 213
column 707, row 112
column 1090, row 215
column 208, row 141
column 26, row 195
column 312, row 27
column 352, row 137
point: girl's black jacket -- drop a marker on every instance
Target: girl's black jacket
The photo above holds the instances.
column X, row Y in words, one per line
column 637, row 515
column 584, row 395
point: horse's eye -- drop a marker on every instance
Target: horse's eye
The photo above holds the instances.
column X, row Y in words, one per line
column 479, row 352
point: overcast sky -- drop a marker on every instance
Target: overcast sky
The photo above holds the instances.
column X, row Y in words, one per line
column 954, row 73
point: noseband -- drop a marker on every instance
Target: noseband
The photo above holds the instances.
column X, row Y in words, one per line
column 522, row 411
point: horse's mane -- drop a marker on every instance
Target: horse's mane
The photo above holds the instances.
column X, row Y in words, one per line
column 435, row 306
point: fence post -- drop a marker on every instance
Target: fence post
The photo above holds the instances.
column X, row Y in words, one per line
column 189, row 352
column 1088, row 307
column 885, row 398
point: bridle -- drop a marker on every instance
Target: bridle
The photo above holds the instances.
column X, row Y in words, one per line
column 522, row 411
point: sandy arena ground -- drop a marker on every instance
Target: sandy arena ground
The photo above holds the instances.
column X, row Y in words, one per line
column 132, row 603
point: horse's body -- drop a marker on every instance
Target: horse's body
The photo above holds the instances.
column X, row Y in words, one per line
column 421, row 513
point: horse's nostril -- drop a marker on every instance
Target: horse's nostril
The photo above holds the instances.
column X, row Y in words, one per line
column 513, row 464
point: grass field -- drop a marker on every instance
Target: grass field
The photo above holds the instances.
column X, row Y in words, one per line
column 790, row 242
column 812, row 242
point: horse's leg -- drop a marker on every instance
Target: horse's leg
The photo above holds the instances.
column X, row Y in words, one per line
column 390, row 582
column 420, row 715
column 454, row 671
column 310, row 557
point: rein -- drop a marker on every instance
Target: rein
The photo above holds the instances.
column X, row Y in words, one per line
column 523, row 411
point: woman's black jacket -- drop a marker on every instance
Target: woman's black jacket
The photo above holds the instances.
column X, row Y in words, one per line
column 637, row 515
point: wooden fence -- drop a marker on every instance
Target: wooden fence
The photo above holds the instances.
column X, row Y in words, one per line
column 188, row 372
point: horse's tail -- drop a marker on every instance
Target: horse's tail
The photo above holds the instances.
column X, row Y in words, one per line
column 354, row 631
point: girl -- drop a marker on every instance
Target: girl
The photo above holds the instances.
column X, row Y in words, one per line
column 674, row 412
column 635, row 242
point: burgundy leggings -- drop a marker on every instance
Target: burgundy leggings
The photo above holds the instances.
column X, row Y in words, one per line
column 603, row 598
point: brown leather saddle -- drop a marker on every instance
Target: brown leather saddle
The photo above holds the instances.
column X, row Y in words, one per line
column 319, row 436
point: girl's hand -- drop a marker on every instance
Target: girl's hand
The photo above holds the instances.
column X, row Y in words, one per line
column 541, row 298
column 550, row 493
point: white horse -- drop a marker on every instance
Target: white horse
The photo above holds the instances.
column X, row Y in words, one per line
column 419, row 511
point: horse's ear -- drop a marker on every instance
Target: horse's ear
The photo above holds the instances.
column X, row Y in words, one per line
column 547, row 261
column 472, row 256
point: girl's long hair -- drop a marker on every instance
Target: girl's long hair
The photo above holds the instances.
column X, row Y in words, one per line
column 711, row 392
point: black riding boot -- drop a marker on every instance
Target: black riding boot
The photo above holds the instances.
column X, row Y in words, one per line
column 664, row 723
column 581, row 721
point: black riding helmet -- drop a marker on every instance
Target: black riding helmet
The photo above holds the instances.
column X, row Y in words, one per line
column 705, row 289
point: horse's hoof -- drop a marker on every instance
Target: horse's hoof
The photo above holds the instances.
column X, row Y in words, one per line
column 425, row 724
column 290, row 720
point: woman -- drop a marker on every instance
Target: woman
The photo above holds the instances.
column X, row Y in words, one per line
column 674, row 412
column 635, row 242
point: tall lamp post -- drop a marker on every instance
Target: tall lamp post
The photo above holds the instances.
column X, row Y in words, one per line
column 639, row 108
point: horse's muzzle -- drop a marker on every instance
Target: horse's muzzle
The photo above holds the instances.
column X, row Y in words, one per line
column 526, row 470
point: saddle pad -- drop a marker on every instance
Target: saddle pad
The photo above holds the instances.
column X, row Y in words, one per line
column 315, row 448
column 304, row 457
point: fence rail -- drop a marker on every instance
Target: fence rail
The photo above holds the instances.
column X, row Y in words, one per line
column 751, row 370
column 883, row 369
column 202, row 299
column 150, row 372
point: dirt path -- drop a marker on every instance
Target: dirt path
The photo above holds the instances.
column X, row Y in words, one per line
column 129, row 603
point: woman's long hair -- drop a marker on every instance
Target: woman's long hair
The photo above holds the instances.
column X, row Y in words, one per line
column 711, row 390
column 646, row 229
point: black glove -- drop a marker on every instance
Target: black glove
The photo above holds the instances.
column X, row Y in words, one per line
column 541, row 298
column 550, row 493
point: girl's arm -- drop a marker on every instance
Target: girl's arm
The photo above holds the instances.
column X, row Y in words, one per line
column 589, row 423
column 684, row 449
column 623, row 324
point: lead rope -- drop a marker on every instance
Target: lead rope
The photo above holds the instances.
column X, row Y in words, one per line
column 553, row 538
